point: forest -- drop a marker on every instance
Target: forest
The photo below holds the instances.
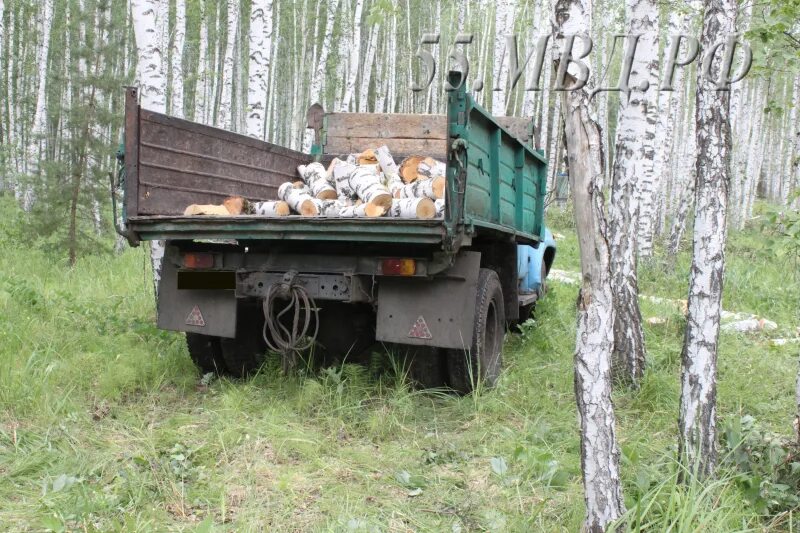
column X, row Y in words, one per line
column 672, row 402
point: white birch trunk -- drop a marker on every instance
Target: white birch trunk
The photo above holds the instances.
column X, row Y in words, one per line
column 355, row 58
column 260, row 57
column 793, row 168
column 646, row 65
column 697, row 419
column 595, row 323
column 201, row 85
column 152, row 84
column 225, row 116
column 177, row 58
column 276, row 42
column 503, row 23
column 34, row 151
column 633, row 159
column 319, row 71
column 366, row 72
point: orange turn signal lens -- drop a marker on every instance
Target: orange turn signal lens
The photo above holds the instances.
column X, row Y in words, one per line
column 398, row 267
column 193, row 260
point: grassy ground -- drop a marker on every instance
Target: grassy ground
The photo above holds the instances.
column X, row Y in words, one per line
column 105, row 424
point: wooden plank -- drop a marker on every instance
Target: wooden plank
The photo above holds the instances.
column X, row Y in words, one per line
column 179, row 163
column 398, row 147
column 387, row 125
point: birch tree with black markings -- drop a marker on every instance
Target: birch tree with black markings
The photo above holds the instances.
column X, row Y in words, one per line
column 152, row 82
column 698, row 404
column 595, row 324
column 633, row 160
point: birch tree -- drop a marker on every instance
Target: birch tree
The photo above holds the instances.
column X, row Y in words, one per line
column 225, row 116
column 633, row 160
column 177, row 58
column 152, row 84
column 697, row 418
column 595, row 323
column 33, row 151
column 260, row 58
column 503, row 24
column 319, row 70
column 201, row 86
column 355, row 57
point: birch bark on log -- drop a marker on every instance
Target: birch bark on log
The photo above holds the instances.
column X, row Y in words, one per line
column 225, row 116
column 152, row 85
column 697, row 417
column 177, row 58
column 260, row 39
column 633, row 159
column 316, row 177
column 595, row 320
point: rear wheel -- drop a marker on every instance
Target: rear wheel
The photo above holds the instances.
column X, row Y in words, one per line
column 245, row 353
column 427, row 365
column 206, row 353
column 482, row 363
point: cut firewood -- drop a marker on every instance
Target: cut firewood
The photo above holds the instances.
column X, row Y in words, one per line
column 423, row 208
column 367, row 157
column 298, row 199
column 331, row 208
column 439, row 207
column 386, row 161
column 272, row 208
column 432, row 188
column 366, row 183
column 299, row 184
column 341, row 178
column 362, row 210
column 316, row 177
column 393, row 183
column 408, row 168
column 431, row 168
column 236, row 205
column 195, row 209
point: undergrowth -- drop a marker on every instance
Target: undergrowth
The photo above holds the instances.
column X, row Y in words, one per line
column 106, row 426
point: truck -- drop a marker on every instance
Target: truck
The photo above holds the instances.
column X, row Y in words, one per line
column 441, row 292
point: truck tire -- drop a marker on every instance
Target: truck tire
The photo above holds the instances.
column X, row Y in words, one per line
column 482, row 363
column 245, row 353
column 206, row 353
column 427, row 365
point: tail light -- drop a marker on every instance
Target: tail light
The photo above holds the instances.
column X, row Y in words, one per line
column 398, row 267
column 196, row 260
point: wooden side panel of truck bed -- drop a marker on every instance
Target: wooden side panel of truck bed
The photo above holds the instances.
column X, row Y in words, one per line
column 172, row 163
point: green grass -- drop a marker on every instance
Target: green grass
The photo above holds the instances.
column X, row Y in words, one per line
column 105, row 425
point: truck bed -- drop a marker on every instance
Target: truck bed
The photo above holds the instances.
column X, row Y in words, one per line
column 495, row 183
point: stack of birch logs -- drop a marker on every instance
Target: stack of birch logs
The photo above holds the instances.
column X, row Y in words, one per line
column 369, row 184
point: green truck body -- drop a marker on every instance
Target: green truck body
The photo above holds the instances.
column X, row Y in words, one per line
column 495, row 195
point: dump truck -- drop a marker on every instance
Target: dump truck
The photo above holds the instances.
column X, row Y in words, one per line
column 441, row 292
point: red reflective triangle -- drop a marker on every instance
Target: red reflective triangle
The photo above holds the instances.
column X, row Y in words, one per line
column 420, row 329
column 195, row 318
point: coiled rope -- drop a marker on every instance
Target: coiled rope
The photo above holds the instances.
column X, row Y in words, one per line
column 289, row 341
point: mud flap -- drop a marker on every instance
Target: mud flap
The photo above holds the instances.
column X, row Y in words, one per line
column 210, row 312
column 430, row 312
